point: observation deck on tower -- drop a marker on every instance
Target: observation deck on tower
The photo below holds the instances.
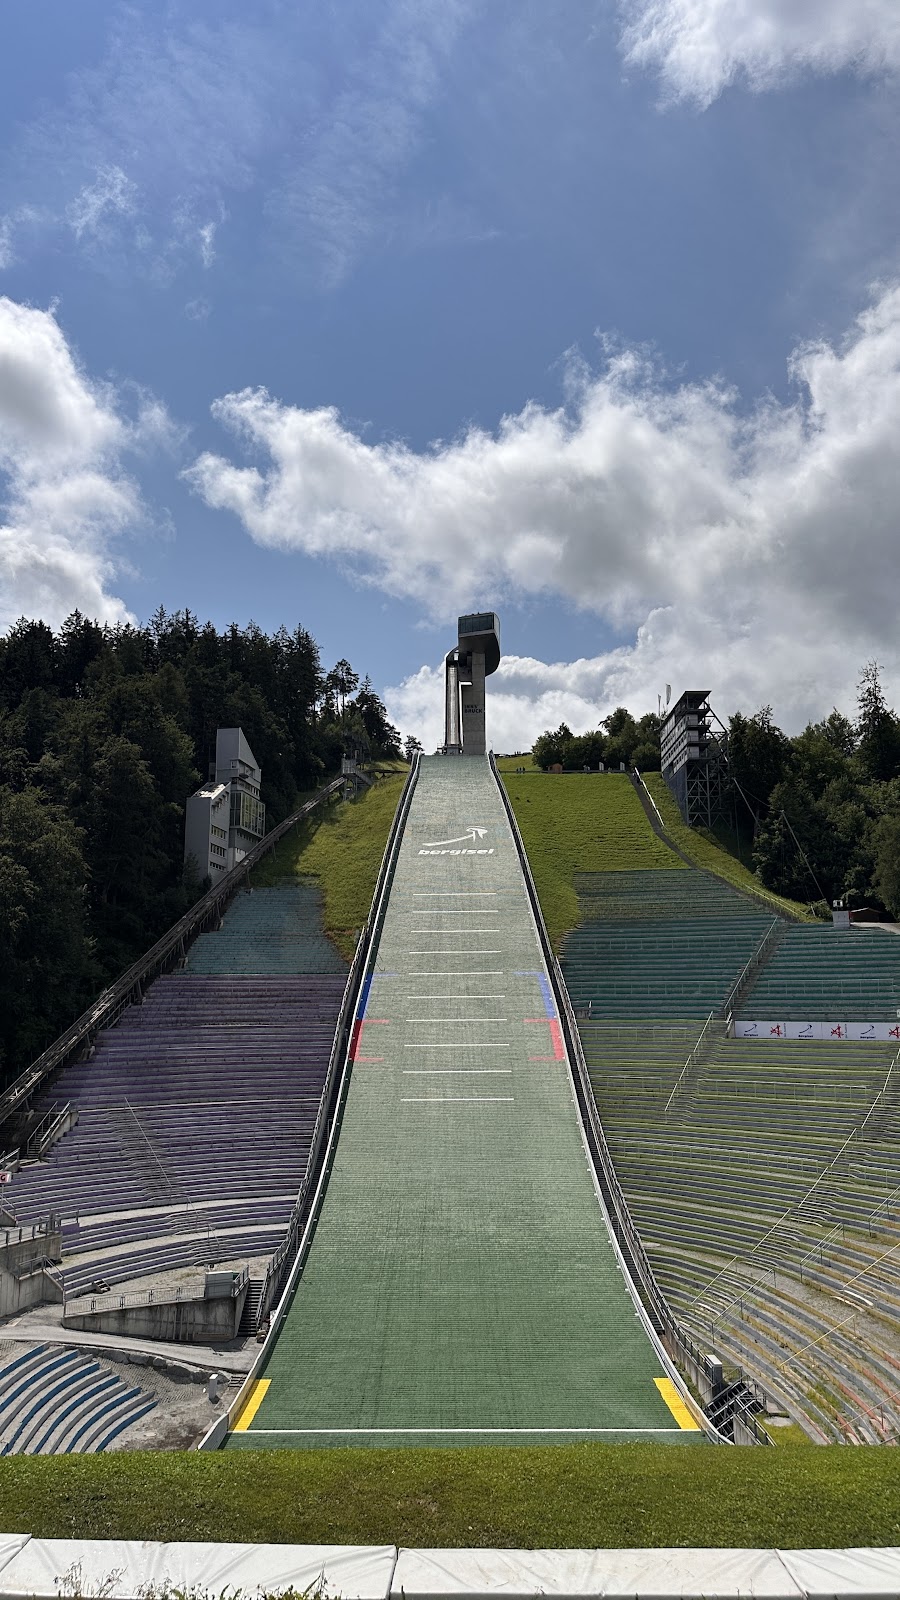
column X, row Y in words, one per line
column 475, row 657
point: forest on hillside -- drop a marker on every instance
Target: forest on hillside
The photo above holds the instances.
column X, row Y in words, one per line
column 104, row 732
column 816, row 815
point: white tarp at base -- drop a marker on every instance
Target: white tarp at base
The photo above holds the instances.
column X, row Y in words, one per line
column 57, row 1567
column 862, row 1574
column 10, row 1545
column 577, row 1574
column 50, row 1569
column 647, row 1574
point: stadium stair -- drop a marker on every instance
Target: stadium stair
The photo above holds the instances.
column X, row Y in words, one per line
column 250, row 1314
column 55, row 1401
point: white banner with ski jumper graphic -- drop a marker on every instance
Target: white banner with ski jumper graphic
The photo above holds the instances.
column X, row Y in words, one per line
column 883, row 1032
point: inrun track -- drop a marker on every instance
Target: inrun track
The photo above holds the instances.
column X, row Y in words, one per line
column 461, row 1286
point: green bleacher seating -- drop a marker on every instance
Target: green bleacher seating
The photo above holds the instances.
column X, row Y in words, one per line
column 764, row 1179
column 658, row 944
column 829, row 973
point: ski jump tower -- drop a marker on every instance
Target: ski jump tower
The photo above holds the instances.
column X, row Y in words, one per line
column 475, row 657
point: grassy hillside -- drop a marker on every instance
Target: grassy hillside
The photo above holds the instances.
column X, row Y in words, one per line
column 576, row 823
column 583, row 1495
column 343, row 849
column 704, row 852
column 512, row 763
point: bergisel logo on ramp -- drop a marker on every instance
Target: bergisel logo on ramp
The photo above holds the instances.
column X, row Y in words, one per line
column 466, row 845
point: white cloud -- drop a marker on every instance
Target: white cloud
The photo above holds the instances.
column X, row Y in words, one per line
column 320, row 110
column 112, row 194
column 524, row 698
column 67, row 496
column 754, row 550
column 701, row 46
column 207, row 237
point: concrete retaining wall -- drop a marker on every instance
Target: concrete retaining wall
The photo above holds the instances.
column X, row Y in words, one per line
column 23, row 1281
column 176, row 1322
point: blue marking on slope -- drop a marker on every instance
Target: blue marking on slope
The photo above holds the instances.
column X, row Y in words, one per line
column 363, row 1000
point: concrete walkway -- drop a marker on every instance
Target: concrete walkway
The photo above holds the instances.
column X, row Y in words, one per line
column 461, row 1287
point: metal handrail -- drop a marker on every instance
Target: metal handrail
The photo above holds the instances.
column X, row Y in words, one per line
column 881, row 1093
column 30, row 1230
column 755, row 961
column 112, row 1001
column 890, row 1199
column 796, row 1209
column 691, row 1060
column 792, row 1211
column 639, row 778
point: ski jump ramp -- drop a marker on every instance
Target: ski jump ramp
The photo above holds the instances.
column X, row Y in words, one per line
column 461, row 1287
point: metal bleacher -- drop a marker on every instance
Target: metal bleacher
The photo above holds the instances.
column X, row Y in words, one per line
column 197, row 1108
column 658, row 944
column 843, row 975
column 763, row 1176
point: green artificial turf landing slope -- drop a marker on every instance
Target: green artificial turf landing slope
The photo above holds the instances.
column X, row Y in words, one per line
column 461, row 1276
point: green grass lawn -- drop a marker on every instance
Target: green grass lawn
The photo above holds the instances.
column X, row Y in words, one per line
column 588, row 1495
column 574, row 823
column 342, row 846
column 704, row 852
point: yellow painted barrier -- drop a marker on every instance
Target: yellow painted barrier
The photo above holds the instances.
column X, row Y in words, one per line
column 253, row 1402
column 676, row 1405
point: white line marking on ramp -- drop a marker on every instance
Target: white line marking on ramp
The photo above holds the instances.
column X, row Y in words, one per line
column 476, row 911
column 459, row 1430
column 465, row 953
column 456, row 1020
column 465, row 1072
column 457, row 1100
column 478, row 1044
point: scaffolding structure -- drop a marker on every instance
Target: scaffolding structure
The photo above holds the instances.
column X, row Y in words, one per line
column 694, row 760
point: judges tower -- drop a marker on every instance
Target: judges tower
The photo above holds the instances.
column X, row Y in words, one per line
column 476, row 656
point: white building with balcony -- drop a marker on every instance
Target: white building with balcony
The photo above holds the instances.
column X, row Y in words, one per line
column 225, row 818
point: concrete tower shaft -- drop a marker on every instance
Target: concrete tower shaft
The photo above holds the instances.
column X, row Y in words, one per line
column 476, row 656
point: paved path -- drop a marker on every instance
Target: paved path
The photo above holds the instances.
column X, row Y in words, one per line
column 461, row 1287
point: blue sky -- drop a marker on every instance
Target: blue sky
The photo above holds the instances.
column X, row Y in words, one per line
column 355, row 316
